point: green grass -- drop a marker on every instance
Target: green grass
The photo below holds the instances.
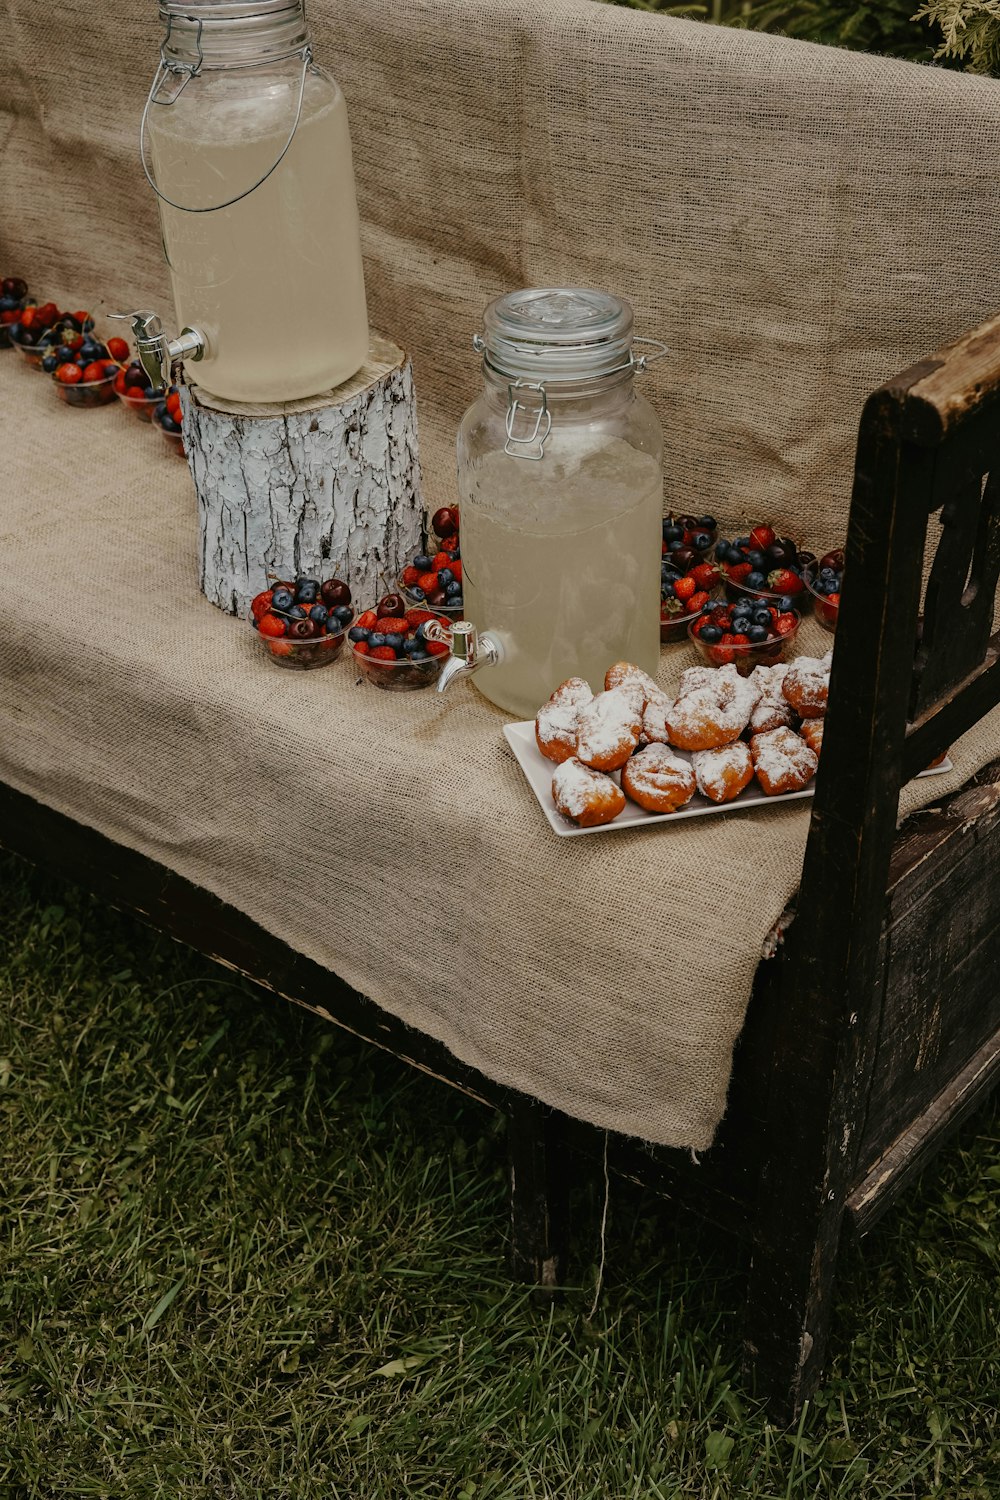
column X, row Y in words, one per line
column 243, row 1255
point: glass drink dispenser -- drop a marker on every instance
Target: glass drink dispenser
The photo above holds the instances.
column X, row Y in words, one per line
column 245, row 142
column 560, row 476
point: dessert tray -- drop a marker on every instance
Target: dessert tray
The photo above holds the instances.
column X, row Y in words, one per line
column 538, row 771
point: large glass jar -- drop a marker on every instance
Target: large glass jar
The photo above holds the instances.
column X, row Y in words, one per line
column 251, row 160
column 560, row 474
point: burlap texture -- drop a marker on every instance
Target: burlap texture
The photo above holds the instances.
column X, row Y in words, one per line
column 796, row 223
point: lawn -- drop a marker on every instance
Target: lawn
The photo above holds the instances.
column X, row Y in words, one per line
column 245, row 1255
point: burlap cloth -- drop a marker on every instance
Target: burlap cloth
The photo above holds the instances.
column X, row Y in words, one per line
column 796, row 223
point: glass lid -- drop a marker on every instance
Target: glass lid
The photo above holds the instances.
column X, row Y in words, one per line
column 556, row 333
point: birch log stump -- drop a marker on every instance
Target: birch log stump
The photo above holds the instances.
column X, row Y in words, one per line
column 328, row 485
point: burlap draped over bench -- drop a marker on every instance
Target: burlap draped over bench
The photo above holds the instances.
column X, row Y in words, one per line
column 796, row 223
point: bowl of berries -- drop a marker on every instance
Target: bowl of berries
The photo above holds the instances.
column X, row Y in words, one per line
column 92, row 384
column 435, row 577
column 167, row 419
column 38, row 329
column 763, row 565
column 13, row 296
column 824, row 583
column 749, row 633
column 391, row 650
column 303, row 624
column 684, row 594
column 134, row 389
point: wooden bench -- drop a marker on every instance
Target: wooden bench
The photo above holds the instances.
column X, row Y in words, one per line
column 876, row 1028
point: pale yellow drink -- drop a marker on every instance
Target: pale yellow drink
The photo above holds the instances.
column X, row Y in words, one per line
column 568, row 585
column 275, row 282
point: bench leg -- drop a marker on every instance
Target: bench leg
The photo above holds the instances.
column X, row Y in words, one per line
column 539, row 1194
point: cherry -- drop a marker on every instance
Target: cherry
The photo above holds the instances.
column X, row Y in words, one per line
column 14, row 287
column 392, row 604
column 833, row 560
column 687, row 523
column 437, row 596
column 780, row 553
column 684, row 557
column 334, row 591
column 445, row 521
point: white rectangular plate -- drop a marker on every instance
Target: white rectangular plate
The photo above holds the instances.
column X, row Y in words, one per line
column 539, row 771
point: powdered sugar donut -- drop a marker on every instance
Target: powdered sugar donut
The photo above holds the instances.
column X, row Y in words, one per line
column 807, row 685
column 722, row 774
column 587, row 798
column 608, row 728
column 626, row 672
column 773, row 710
column 695, row 677
column 555, row 724
column 714, row 714
column 658, row 779
column 811, row 731
column 783, row 761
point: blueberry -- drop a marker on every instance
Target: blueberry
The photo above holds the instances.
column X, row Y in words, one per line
column 734, row 555
column 50, row 363
column 358, row 633
column 413, row 648
column 281, row 599
column 377, row 638
column 169, row 424
column 672, row 533
column 755, row 580
column 319, row 614
column 784, row 604
column 755, row 559
column 422, row 561
column 762, row 617
column 456, row 555
column 306, row 591
column 8, row 304
column 295, row 613
column 709, row 523
column 756, row 634
column 710, row 634
column 395, row 640
column 445, row 576
column 667, row 590
column 417, row 593
column 454, row 591
column 420, row 654
column 701, row 540
column 343, row 613
column 64, row 353
column 675, row 546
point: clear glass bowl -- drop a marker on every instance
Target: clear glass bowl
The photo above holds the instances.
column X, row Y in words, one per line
column 825, row 610
column 676, row 627
column 745, row 658
column 86, row 392
column 800, row 601
column 141, row 404
column 175, row 440
column 454, row 611
column 31, row 353
column 304, row 656
column 402, row 676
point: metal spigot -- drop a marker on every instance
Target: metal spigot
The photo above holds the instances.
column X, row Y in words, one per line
column 158, row 354
column 469, row 650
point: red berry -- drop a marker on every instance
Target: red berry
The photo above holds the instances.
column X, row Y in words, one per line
column 382, row 653
column 362, row 648
column 441, row 560
column 784, row 624
column 834, row 560
column 69, row 374
column 456, row 567
column 739, row 639
column 367, row 620
column 410, row 575
column 390, row 625
column 334, row 592
column 118, row 349
column 392, row 604
column 269, row 624
column 261, row 604
column 784, row 581
column 696, row 602
column 415, row 617
column 14, row 287
column 437, row 596
column 705, row 575
column 761, row 537
column 684, row 588
column 29, row 317
column 445, row 521
column 436, row 648
column 94, row 371
column 120, row 382
column 428, row 582
column 738, row 571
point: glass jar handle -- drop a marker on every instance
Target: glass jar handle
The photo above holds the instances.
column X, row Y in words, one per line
column 520, row 447
column 162, row 70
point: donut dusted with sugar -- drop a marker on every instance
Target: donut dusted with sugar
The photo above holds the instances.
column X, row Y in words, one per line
column 609, row 727
column 722, row 774
column 783, row 761
column 556, row 722
column 658, row 779
column 587, row 798
column 807, row 685
column 773, row 711
column 715, row 713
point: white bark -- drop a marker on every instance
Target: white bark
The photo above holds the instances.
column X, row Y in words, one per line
column 330, row 485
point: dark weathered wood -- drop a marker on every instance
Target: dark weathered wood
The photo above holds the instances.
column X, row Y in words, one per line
column 539, row 1194
column 909, row 1153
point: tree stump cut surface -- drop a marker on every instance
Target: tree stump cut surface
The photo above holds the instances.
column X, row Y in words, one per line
column 327, row 485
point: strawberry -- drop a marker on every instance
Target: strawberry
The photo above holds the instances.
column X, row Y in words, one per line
column 118, row 349
column 784, row 581
column 362, row 648
column 410, row 575
column 739, row 639
column 261, row 604
column 269, row 624
column 368, row 620
column 705, row 575
column 784, row 624
column 416, row 616
column 722, row 655
column 392, row 625
column 833, row 599
column 380, row 653
column 762, row 537
column 738, row 571
column 441, row 560
column 456, row 567
column 437, row 648
column 428, row 582
column 684, row 587
column 697, row 602
column 669, row 608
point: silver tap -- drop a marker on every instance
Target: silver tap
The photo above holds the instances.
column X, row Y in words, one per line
column 469, row 650
column 157, row 354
